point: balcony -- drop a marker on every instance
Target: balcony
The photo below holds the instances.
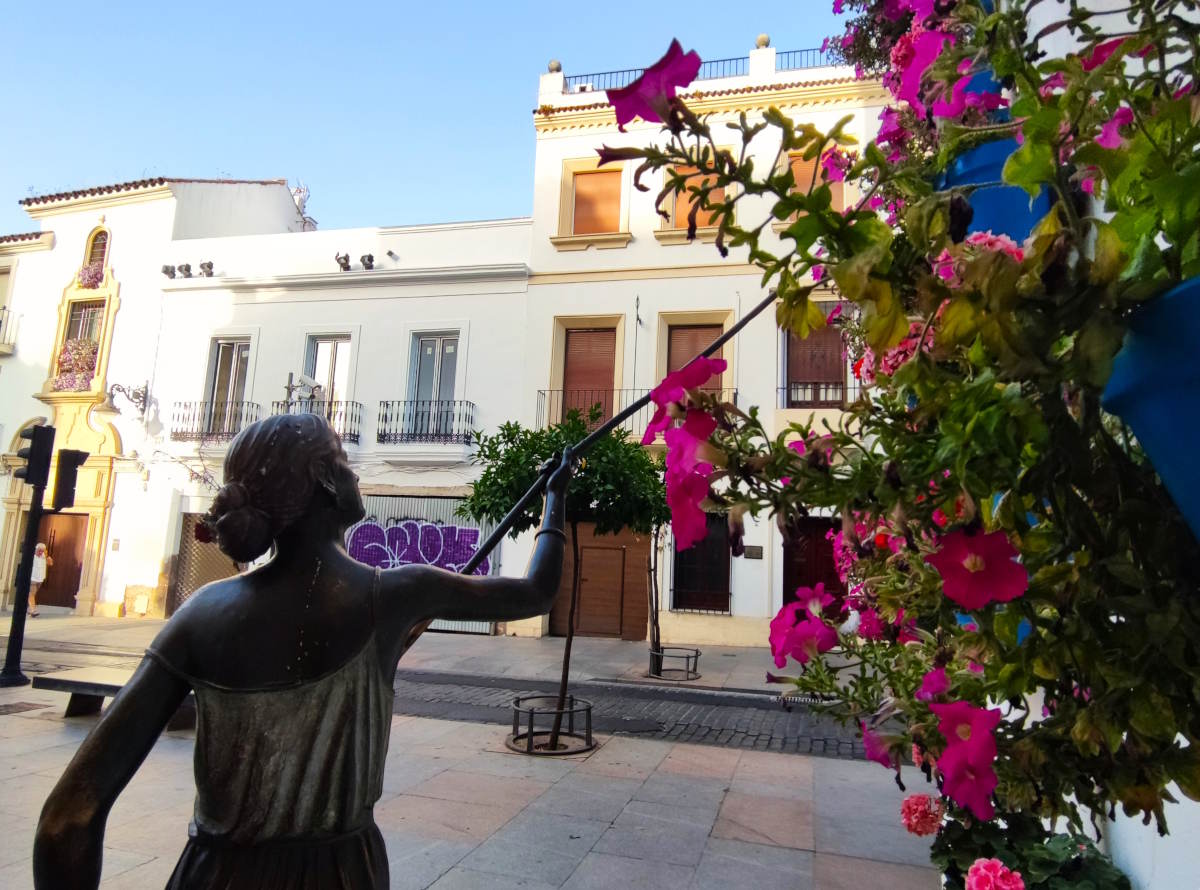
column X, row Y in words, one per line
column 8, row 331
column 714, row 69
column 819, row 394
column 428, row 422
column 344, row 417
column 554, row 404
column 206, row 422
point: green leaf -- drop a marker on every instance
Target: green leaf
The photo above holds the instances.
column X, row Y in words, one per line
column 1031, row 166
column 1110, row 255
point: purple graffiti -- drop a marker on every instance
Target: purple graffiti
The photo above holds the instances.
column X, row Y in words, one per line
column 411, row 541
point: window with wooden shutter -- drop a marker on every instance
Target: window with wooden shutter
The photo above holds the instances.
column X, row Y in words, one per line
column 588, row 365
column 684, row 201
column 685, row 341
column 802, row 173
column 816, row 369
column 597, row 197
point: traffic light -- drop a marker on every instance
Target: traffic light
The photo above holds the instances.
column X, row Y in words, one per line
column 36, row 454
column 69, row 462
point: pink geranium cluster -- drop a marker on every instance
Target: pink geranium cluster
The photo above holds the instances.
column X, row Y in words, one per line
column 867, row 366
column 922, row 814
column 966, row 765
column 91, row 275
column 799, row 630
column 687, row 473
column 946, row 266
column 992, row 874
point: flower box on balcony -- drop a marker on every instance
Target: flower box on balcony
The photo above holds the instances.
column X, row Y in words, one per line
column 76, row 366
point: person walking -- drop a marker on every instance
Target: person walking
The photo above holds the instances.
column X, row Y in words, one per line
column 41, row 559
column 292, row 665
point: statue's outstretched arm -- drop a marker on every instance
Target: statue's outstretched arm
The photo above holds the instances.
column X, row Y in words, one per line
column 425, row 592
column 69, row 843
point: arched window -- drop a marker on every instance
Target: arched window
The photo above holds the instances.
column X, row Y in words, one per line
column 97, row 248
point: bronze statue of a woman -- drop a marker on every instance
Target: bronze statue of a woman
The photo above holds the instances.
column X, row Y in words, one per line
column 292, row 665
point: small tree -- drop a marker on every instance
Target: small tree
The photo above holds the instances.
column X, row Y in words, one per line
column 618, row 486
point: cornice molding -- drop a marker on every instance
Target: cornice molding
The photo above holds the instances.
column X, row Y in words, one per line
column 855, row 93
column 359, row 279
column 95, row 202
column 44, row 241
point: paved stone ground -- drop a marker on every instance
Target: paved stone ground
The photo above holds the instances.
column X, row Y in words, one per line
column 460, row 812
column 733, row 720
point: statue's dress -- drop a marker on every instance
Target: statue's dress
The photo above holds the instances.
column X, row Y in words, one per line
column 286, row 779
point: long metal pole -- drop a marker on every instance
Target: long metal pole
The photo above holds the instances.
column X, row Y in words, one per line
column 11, row 675
column 584, row 445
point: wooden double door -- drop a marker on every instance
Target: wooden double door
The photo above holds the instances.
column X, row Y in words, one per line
column 613, row 600
column 64, row 535
column 808, row 558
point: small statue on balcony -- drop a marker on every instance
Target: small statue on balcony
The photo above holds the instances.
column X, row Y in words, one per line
column 292, row 666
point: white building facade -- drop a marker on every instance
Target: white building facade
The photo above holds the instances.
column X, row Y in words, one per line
column 217, row 304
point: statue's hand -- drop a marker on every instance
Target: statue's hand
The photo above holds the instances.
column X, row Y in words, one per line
column 561, row 478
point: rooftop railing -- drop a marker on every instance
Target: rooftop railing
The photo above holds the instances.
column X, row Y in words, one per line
column 714, row 69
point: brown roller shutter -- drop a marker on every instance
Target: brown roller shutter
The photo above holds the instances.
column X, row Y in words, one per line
column 597, row 202
column 588, row 370
column 802, row 173
column 687, row 341
column 685, row 200
column 816, row 369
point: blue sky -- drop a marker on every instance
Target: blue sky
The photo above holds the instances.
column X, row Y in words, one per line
column 384, row 110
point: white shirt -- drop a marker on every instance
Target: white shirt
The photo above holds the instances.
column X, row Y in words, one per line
column 39, row 570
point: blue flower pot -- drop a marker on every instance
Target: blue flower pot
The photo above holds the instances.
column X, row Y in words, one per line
column 1001, row 209
column 1155, row 388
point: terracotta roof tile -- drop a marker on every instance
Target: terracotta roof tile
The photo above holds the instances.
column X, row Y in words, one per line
column 20, row 236
column 134, row 185
column 702, row 94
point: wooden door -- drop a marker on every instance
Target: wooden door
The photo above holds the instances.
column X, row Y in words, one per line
column 602, row 589
column 588, row 365
column 64, row 535
column 700, row 580
column 808, row 559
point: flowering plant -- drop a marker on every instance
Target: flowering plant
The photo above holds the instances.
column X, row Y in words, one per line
column 76, row 365
column 1019, row 614
column 91, row 275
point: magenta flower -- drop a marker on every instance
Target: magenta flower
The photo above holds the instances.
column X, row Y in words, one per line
column 966, row 764
column 1056, row 81
column 649, row 96
column 870, row 627
column 923, row 50
column 992, row 874
column 979, row 569
column 906, row 629
column 933, row 684
column 781, row 626
column 1110, row 133
column 1101, row 54
column 876, row 750
column 685, row 492
column 834, row 164
column 802, row 639
column 814, row 599
column 684, row 442
column 922, row 814
column 674, row 387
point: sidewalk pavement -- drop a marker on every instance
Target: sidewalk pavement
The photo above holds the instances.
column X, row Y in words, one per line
column 459, row 811
column 525, row 658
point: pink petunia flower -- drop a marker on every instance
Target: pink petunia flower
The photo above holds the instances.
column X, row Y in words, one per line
column 649, row 95
column 915, row 59
column 992, row 874
column 876, row 750
column 979, row 569
column 814, row 599
column 674, row 387
column 933, row 684
column 781, row 626
column 960, row 98
column 966, row 764
column 906, row 629
column 684, row 442
column 922, row 814
column 1101, row 54
column 1056, row 81
column 870, row 626
column 1110, row 133
column 685, row 492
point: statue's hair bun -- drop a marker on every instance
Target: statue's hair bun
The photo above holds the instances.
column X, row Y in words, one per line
column 243, row 530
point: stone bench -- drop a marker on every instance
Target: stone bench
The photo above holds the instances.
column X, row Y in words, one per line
column 89, row 686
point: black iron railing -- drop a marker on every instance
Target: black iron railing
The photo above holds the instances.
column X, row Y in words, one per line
column 713, row 69
column 211, row 421
column 795, row 59
column 344, row 417
column 8, row 328
column 826, row 394
column 553, row 406
column 419, row 421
